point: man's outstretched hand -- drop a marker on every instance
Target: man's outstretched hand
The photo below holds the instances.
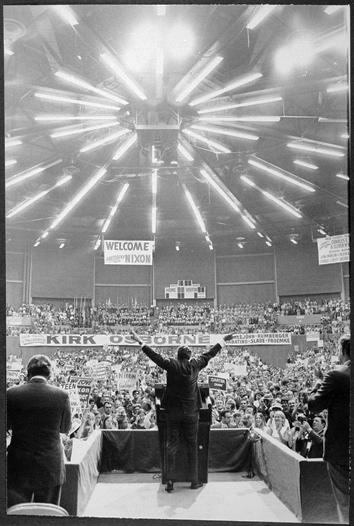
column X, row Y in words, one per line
column 135, row 337
column 228, row 337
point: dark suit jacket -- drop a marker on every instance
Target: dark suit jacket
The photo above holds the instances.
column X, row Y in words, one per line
column 37, row 413
column 333, row 395
column 182, row 378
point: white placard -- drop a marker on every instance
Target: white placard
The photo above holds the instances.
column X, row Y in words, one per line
column 128, row 252
column 333, row 249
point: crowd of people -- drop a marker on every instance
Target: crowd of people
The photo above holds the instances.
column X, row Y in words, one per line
column 266, row 397
column 180, row 317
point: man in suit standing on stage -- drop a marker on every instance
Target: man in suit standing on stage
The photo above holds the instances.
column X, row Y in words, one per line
column 182, row 401
column 333, row 394
column 36, row 413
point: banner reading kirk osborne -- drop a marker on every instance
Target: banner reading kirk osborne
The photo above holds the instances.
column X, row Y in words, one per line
column 125, row 252
column 158, row 340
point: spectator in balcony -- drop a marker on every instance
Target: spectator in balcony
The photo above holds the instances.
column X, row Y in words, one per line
column 333, row 394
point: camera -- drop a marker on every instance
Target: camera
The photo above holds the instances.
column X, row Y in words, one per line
column 302, row 419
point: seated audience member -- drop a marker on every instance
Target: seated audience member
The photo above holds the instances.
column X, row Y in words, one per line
column 259, row 421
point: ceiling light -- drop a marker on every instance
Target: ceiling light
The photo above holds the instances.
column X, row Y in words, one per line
column 154, row 182
column 260, row 234
column 223, row 194
column 153, row 220
column 100, row 142
column 293, row 241
column 120, row 73
column 248, row 221
column 125, row 146
column 199, row 78
column 223, row 131
column 332, row 120
column 10, row 162
column 322, row 231
column 78, row 197
column 253, row 102
column 76, row 131
column 8, row 51
column 97, row 244
column 28, row 202
column 64, row 118
column 37, row 243
column 305, row 164
column 201, row 138
column 268, row 243
column 66, row 13
column 329, row 10
column 62, row 245
column 344, row 136
column 26, row 174
column 262, row 12
column 177, row 248
column 10, row 143
column 114, row 209
column 45, row 234
column 240, row 245
column 229, row 87
column 211, row 246
column 282, row 204
column 337, row 88
column 342, row 176
column 58, row 98
column 86, row 85
column 280, row 175
column 207, row 238
column 184, row 152
column 340, row 203
column 195, row 210
column 248, row 181
column 252, row 118
column 314, row 149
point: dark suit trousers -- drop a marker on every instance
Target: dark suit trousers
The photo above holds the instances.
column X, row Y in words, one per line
column 16, row 495
column 339, row 477
column 182, row 426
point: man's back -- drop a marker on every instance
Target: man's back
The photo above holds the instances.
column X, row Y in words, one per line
column 334, row 396
column 37, row 413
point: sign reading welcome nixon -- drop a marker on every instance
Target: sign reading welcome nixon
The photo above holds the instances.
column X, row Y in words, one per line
column 125, row 252
column 158, row 340
column 333, row 249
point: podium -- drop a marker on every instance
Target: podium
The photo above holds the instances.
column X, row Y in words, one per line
column 203, row 437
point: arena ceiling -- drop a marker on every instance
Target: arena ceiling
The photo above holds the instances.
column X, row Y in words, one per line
column 66, row 89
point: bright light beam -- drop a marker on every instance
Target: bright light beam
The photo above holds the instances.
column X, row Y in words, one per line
column 64, row 118
column 153, row 220
column 199, row 78
column 254, row 102
column 114, row 209
column 66, row 13
column 280, row 175
column 27, row 174
column 28, row 202
column 76, row 131
column 195, row 210
column 78, row 197
column 10, row 162
column 86, row 85
column 262, row 12
column 59, row 98
column 322, row 151
column 120, row 73
column 10, row 143
column 154, row 182
column 229, row 87
column 124, row 147
column 207, row 141
column 184, row 152
column 223, row 131
column 250, row 118
column 219, row 190
column 305, row 164
column 106, row 140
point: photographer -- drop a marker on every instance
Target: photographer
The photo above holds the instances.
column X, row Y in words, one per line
column 297, row 437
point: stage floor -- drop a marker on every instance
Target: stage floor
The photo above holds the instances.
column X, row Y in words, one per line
column 227, row 496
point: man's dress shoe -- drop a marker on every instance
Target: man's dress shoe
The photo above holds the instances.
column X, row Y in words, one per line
column 169, row 486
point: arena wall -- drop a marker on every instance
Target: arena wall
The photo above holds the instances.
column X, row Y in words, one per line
column 49, row 275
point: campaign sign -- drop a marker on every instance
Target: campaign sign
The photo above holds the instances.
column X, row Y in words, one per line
column 333, row 249
column 128, row 252
column 216, row 382
column 84, row 390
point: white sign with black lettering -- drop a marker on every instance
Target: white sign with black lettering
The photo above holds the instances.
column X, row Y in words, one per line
column 333, row 249
column 128, row 252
